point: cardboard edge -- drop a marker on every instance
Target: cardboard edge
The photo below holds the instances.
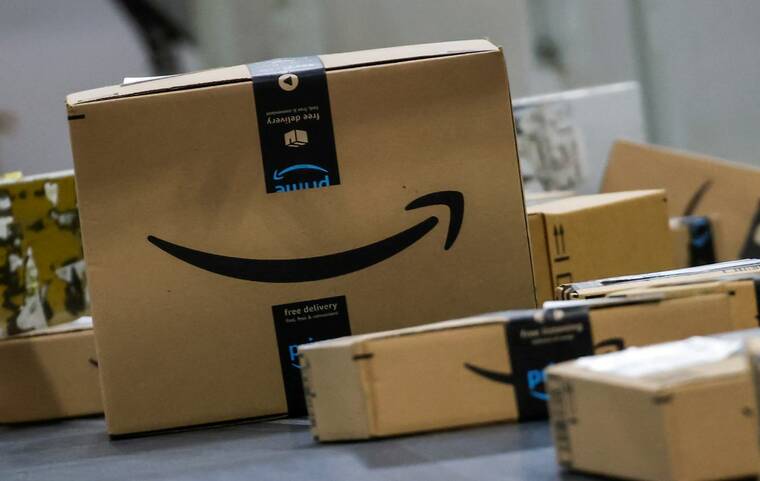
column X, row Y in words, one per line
column 338, row 374
column 526, row 228
column 544, row 259
column 332, row 62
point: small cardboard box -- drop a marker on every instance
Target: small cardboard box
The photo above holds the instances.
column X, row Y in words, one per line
column 49, row 373
column 42, row 275
column 614, row 285
column 726, row 192
column 681, row 411
column 490, row 368
column 596, row 236
column 218, row 239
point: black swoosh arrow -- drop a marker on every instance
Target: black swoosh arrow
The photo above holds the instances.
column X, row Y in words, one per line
column 495, row 376
column 696, row 198
column 331, row 265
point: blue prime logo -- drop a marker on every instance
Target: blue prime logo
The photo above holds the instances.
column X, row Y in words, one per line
column 293, row 353
column 536, row 378
column 283, row 185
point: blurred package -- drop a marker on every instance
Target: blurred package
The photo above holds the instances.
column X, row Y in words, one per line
column 727, row 193
column 535, row 198
column 564, row 138
column 596, row 236
column 222, row 232
column 692, row 238
column 690, row 275
column 49, row 373
column 489, row 368
column 681, row 411
column 42, row 271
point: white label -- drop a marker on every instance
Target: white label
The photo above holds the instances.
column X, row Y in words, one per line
column 638, row 362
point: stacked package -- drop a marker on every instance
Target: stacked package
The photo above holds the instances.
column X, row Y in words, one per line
column 491, row 368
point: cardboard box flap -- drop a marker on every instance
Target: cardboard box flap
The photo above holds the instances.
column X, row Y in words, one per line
column 240, row 73
column 581, row 202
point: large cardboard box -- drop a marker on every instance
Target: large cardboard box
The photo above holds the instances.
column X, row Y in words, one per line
column 726, row 192
column 49, row 373
column 596, row 236
column 490, row 368
column 232, row 214
column 42, row 275
column 681, row 411
column 614, row 285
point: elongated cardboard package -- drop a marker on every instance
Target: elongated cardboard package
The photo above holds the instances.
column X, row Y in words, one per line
column 49, row 374
column 233, row 214
column 597, row 236
column 490, row 368
column 680, row 411
column 42, row 275
column 726, row 192
column 613, row 285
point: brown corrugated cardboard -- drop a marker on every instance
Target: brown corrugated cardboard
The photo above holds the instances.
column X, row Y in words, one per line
column 726, row 192
column 595, row 236
column 207, row 268
column 613, row 285
column 490, row 368
column 49, row 373
column 682, row 411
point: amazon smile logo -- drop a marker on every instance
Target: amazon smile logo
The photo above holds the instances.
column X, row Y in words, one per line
column 330, row 265
column 534, row 379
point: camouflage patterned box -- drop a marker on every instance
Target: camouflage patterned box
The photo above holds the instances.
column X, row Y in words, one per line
column 42, row 278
